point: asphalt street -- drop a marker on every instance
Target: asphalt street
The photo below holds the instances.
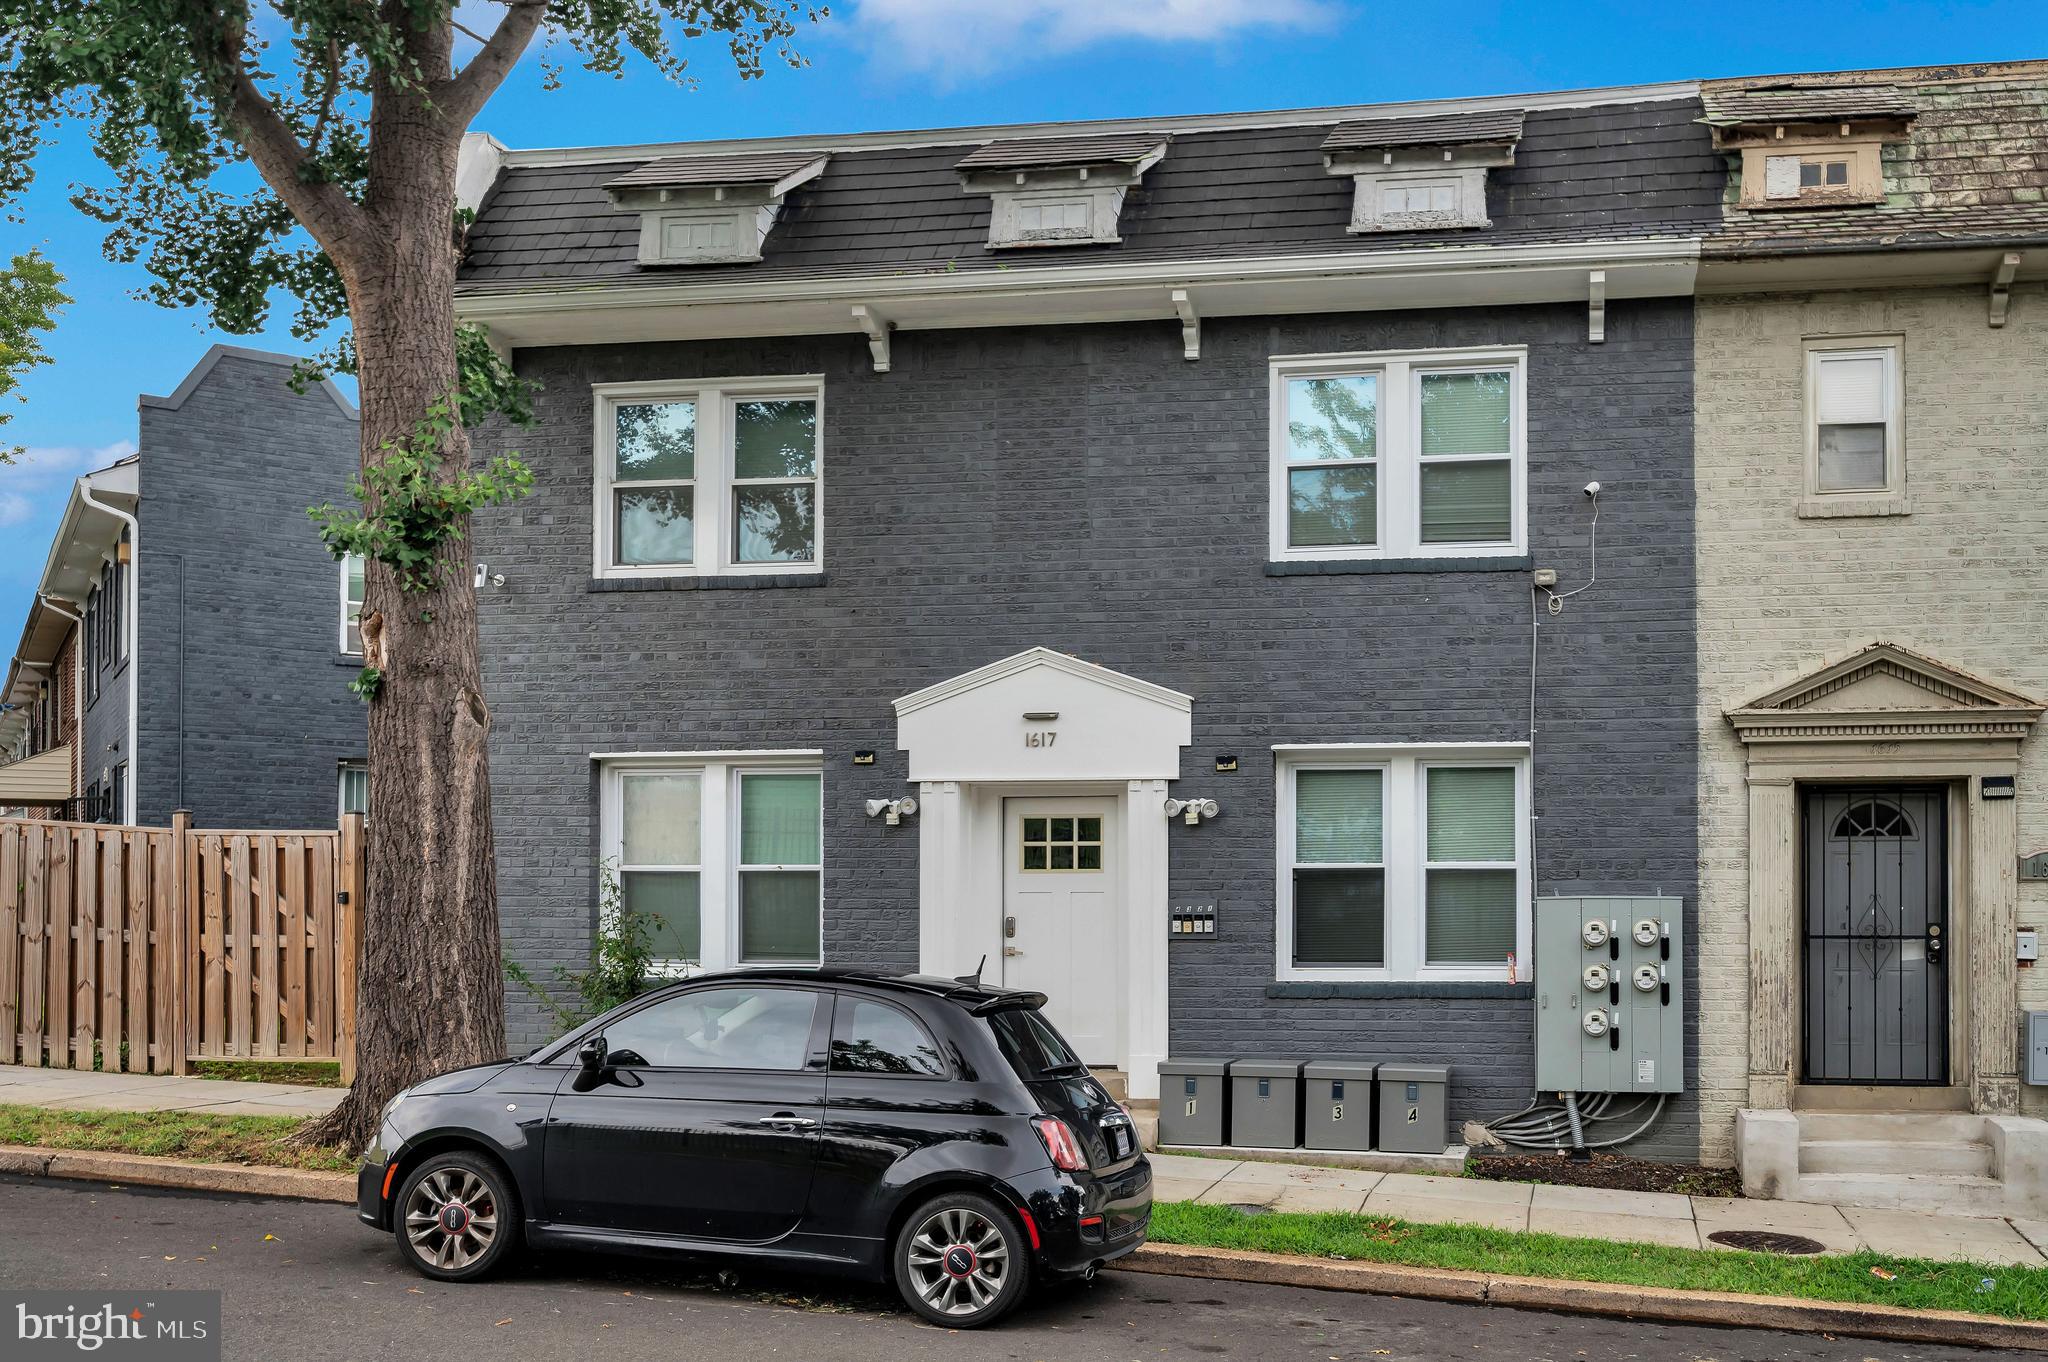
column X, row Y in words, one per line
column 304, row 1281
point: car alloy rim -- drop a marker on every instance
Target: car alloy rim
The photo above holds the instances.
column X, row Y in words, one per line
column 958, row 1261
column 451, row 1218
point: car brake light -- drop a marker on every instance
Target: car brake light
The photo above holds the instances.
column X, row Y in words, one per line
column 1060, row 1144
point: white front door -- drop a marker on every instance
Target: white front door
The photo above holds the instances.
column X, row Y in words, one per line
column 1063, row 922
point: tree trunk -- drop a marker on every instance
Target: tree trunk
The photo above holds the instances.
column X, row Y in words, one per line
column 430, row 989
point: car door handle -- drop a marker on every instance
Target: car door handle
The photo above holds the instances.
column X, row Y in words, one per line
column 789, row 1122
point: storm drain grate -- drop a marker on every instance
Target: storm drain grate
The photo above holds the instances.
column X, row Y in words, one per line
column 1767, row 1241
column 1250, row 1208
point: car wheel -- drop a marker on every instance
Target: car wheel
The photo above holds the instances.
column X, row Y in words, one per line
column 458, row 1217
column 960, row 1261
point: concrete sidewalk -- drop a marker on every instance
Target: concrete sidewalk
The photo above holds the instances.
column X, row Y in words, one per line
column 85, row 1090
column 1632, row 1217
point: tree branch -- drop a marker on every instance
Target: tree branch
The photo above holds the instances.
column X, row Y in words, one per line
column 487, row 70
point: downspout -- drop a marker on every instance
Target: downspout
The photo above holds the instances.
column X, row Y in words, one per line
column 133, row 623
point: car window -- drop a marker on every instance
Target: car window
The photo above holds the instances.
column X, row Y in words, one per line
column 875, row 1038
column 717, row 1028
column 1029, row 1042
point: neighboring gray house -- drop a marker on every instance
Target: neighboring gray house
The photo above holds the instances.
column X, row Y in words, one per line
column 188, row 644
column 1154, row 503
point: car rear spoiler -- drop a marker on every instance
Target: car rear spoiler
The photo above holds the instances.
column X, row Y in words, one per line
column 1004, row 1001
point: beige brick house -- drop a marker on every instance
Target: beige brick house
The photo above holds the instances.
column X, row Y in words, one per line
column 1872, row 477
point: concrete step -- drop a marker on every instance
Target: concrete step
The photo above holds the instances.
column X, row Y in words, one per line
column 1115, row 1080
column 1892, row 1158
column 1952, row 1194
column 1943, row 1126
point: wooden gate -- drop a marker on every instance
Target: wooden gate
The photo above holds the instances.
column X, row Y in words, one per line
column 142, row 949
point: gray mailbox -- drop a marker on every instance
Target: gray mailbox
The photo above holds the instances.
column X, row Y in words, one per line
column 1336, row 1104
column 1265, row 1103
column 1192, row 1099
column 1412, row 1105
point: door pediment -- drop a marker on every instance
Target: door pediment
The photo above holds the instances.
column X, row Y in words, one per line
column 1106, row 726
column 1883, row 690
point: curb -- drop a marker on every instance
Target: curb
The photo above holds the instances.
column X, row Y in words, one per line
column 139, row 1170
column 1235, row 1265
column 1726, row 1310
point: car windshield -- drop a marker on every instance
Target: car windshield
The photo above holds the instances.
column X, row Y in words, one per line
column 1031, row 1045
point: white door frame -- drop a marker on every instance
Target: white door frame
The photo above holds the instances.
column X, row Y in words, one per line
column 960, row 892
column 1040, row 723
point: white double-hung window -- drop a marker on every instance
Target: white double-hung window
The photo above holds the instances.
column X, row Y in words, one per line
column 709, row 477
column 723, row 853
column 1855, row 450
column 1403, row 863
column 1399, row 456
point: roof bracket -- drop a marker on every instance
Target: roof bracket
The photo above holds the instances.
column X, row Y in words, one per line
column 1190, row 324
column 2001, row 286
column 877, row 329
column 1596, row 306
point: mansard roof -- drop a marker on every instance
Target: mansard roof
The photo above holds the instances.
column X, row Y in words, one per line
column 1964, row 159
column 1600, row 166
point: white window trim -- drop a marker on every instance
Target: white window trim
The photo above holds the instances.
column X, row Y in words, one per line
column 718, row 846
column 1891, row 497
column 1404, row 849
column 342, row 639
column 342, row 769
column 1399, row 449
column 714, row 480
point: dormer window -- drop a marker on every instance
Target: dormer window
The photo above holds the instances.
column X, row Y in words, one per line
column 1058, row 191
column 1421, row 174
column 711, row 210
column 1809, row 147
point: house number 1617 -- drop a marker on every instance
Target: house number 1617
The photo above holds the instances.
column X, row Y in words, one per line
column 1043, row 739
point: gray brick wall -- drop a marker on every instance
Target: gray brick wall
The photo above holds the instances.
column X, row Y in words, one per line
column 1088, row 489
column 244, row 707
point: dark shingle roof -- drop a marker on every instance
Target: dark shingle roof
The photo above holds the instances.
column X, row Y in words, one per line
column 760, row 167
column 1581, row 174
column 1024, row 153
column 1496, row 125
column 1733, row 107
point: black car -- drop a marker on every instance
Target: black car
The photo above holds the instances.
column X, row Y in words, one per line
column 937, row 1133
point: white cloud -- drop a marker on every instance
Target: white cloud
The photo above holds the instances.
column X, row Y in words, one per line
column 963, row 37
column 41, row 478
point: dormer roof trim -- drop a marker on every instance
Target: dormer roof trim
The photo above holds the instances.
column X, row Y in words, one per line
column 1787, row 105
column 774, row 173
column 1137, row 152
column 1480, row 127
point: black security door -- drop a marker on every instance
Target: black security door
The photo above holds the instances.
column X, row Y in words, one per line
column 1875, row 911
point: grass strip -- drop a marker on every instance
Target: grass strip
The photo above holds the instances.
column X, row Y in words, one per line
column 192, row 1136
column 305, row 1073
column 1915, row 1284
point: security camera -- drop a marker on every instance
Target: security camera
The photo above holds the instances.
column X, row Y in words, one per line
column 1592, row 489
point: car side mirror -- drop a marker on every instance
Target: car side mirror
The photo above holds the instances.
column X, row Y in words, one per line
column 591, row 1055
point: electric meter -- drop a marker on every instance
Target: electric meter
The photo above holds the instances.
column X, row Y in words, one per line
column 1596, row 978
column 1595, row 1023
column 1595, row 933
column 1646, row 932
column 1647, row 978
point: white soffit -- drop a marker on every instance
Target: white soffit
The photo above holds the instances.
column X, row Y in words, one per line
column 1460, row 276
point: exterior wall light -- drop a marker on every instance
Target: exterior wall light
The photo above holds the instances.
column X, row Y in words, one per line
column 1193, row 811
column 893, row 811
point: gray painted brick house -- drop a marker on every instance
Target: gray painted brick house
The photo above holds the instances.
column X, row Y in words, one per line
column 1060, row 480
column 218, row 613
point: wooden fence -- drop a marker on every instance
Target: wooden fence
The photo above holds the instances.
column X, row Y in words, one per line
column 143, row 949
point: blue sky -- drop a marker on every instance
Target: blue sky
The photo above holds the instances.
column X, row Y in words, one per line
column 922, row 63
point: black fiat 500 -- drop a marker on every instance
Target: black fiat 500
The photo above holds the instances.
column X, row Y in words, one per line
column 932, row 1132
